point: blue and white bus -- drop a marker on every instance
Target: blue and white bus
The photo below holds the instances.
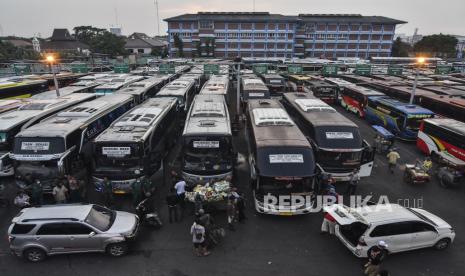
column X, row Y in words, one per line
column 402, row 119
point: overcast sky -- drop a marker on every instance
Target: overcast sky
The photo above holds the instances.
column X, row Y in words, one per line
column 29, row 17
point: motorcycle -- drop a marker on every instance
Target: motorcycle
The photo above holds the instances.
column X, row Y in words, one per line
column 415, row 173
column 147, row 215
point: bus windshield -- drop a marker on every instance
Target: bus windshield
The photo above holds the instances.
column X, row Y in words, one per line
column 284, row 186
column 413, row 123
column 343, row 160
column 204, row 155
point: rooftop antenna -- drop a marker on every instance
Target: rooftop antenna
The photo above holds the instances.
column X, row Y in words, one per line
column 116, row 15
column 158, row 18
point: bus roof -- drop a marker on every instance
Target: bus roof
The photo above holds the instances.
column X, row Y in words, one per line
column 176, row 88
column 253, row 84
column 403, row 107
column 300, row 77
column 285, row 134
column 137, row 124
column 450, row 124
column 216, row 86
column 444, row 90
column 35, row 108
column 320, row 83
column 365, row 90
column 208, row 115
column 65, row 122
column 315, row 111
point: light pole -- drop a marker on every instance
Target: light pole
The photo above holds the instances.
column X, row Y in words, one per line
column 419, row 62
column 51, row 60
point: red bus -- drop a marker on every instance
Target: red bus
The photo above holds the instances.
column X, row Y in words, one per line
column 442, row 134
column 354, row 98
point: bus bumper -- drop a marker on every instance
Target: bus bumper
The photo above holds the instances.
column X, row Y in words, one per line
column 276, row 210
column 118, row 186
column 192, row 179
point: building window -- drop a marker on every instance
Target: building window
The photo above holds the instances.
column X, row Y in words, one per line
column 140, row 51
column 206, row 24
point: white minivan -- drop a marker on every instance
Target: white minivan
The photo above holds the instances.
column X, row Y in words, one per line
column 403, row 229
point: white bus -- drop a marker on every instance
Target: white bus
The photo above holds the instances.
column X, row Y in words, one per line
column 182, row 90
column 115, row 84
column 60, row 145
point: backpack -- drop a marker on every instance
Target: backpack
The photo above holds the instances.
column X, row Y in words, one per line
column 198, row 234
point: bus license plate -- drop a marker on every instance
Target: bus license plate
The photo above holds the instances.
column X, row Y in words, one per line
column 119, row 192
column 285, row 213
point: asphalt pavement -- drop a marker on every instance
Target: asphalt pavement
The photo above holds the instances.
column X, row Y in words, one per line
column 266, row 245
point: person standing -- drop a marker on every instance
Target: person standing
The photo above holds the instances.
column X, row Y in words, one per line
column 172, row 202
column 329, row 223
column 147, row 186
column 353, row 182
column 376, row 256
column 107, row 192
column 74, row 193
column 180, row 187
column 198, row 239
column 60, row 193
column 392, row 156
column 231, row 212
column 37, row 193
column 136, row 192
column 240, row 204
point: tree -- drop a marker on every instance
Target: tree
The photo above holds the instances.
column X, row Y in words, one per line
column 157, row 52
column 212, row 46
column 400, row 48
column 100, row 40
column 207, row 47
column 179, row 45
column 8, row 51
column 437, row 45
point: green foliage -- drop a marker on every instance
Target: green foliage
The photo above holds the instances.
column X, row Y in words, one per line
column 400, row 48
column 100, row 40
column 179, row 44
column 437, row 45
column 198, row 46
column 207, row 47
column 156, row 52
column 9, row 51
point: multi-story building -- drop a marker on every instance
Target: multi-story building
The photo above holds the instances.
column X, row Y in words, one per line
column 261, row 34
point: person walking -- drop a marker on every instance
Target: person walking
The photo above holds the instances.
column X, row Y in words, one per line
column 392, row 156
column 37, row 193
column 353, row 182
column 329, row 223
column 60, row 193
column 136, row 192
column 22, row 200
column 172, row 201
column 198, row 239
column 180, row 187
column 231, row 212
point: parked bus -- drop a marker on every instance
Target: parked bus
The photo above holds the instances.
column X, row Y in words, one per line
column 207, row 148
column 452, row 107
column 182, row 90
column 355, row 98
column 115, row 84
column 282, row 165
column 142, row 90
column 401, row 119
column 198, row 78
column 77, row 87
column 134, row 146
column 216, row 85
column 28, row 114
column 253, row 88
column 7, row 105
column 60, row 145
column 21, row 87
column 337, row 143
column 325, row 91
column 299, row 81
column 275, row 83
column 341, row 84
column 442, row 134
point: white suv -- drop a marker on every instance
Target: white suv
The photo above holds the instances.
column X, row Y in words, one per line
column 403, row 229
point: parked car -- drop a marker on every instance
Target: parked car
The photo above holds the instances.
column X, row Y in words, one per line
column 403, row 229
column 38, row 232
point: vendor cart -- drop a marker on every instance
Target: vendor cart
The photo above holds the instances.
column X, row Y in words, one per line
column 451, row 170
column 384, row 139
column 213, row 197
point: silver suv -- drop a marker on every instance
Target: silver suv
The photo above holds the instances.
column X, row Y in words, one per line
column 63, row 229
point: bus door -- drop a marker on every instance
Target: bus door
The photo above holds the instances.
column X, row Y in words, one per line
column 368, row 156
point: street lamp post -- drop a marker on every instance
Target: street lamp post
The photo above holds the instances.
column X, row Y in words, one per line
column 420, row 61
column 51, row 60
